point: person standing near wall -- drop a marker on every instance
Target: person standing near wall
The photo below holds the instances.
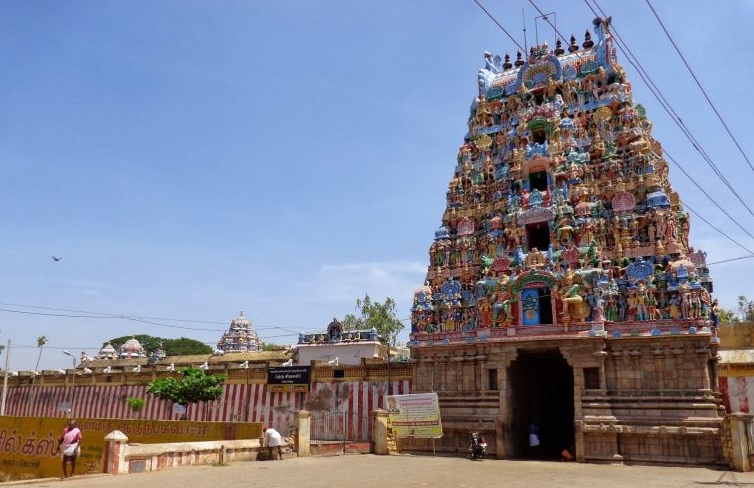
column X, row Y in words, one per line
column 69, row 445
column 272, row 438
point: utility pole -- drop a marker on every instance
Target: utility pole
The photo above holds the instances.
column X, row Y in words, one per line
column 389, row 386
column 73, row 381
column 5, row 381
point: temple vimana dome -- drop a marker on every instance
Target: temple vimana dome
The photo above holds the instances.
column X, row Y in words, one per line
column 560, row 210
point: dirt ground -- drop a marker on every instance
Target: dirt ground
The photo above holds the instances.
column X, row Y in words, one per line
column 370, row 471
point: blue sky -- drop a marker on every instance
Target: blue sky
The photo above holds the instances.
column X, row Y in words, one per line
column 190, row 159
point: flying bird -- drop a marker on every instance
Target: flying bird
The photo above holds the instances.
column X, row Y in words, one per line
column 57, row 258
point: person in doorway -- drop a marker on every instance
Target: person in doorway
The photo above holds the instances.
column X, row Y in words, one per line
column 533, row 439
column 272, row 438
column 566, row 455
column 69, row 445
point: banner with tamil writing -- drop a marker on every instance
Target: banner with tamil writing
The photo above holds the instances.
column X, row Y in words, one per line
column 29, row 448
column 416, row 415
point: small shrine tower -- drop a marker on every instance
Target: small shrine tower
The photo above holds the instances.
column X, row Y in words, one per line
column 240, row 337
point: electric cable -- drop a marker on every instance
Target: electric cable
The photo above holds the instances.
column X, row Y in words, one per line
column 718, row 230
column 709, row 197
column 523, row 50
column 698, row 83
column 633, row 60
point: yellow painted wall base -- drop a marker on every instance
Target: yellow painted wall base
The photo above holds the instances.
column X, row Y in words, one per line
column 28, row 446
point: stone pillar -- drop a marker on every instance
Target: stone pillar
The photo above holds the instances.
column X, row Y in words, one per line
column 303, row 421
column 578, row 441
column 115, row 453
column 379, row 431
column 739, row 434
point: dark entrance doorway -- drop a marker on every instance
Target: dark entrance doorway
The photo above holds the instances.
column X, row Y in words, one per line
column 538, row 181
column 545, row 305
column 541, row 394
column 538, row 235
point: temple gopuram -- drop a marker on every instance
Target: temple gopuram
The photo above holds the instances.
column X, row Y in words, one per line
column 240, row 337
column 562, row 293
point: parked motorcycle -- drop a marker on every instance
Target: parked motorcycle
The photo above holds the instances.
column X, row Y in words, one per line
column 477, row 445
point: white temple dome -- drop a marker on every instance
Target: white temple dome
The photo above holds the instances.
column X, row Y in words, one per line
column 132, row 348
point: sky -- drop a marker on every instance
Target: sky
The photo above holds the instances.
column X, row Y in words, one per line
column 191, row 159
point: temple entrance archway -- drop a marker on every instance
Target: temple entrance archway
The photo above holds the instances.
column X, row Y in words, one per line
column 541, row 384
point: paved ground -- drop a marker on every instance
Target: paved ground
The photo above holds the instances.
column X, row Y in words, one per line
column 369, row 471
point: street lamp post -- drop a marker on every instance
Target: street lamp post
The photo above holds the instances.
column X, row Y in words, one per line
column 73, row 381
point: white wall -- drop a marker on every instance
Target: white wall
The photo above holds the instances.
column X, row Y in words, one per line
column 347, row 353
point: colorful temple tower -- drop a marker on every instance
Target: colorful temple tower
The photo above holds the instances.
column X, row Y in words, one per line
column 563, row 259
column 240, row 337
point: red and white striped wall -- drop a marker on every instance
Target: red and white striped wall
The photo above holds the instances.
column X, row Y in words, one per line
column 239, row 403
column 737, row 393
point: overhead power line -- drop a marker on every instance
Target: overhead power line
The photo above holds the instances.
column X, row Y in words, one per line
column 718, row 230
column 501, row 26
column 696, row 80
column 81, row 314
column 634, row 61
column 673, row 115
column 709, row 197
column 729, row 260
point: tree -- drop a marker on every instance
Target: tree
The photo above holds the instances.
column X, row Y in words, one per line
column 727, row 316
column 184, row 347
column 41, row 341
column 136, row 404
column 745, row 309
column 172, row 347
column 380, row 316
column 196, row 386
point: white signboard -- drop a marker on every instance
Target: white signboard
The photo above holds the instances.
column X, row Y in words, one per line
column 416, row 415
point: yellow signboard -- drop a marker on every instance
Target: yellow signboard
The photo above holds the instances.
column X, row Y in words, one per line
column 28, row 445
column 287, row 388
column 416, row 415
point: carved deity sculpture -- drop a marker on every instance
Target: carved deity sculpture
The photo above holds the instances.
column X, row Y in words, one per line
column 503, row 300
column 642, row 313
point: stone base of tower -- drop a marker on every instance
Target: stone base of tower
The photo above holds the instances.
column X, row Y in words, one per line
column 644, row 399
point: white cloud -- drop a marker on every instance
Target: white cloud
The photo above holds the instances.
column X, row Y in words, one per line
column 336, row 283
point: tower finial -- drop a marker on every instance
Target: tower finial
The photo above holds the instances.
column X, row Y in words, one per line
column 519, row 61
column 507, row 64
column 573, row 47
column 558, row 48
column 588, row 42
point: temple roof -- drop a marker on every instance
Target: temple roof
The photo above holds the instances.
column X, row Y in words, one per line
column 196, row 359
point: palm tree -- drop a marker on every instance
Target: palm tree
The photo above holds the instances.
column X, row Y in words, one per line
column 41, row 341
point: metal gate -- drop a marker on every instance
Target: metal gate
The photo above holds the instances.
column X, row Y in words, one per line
column 338, row 427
